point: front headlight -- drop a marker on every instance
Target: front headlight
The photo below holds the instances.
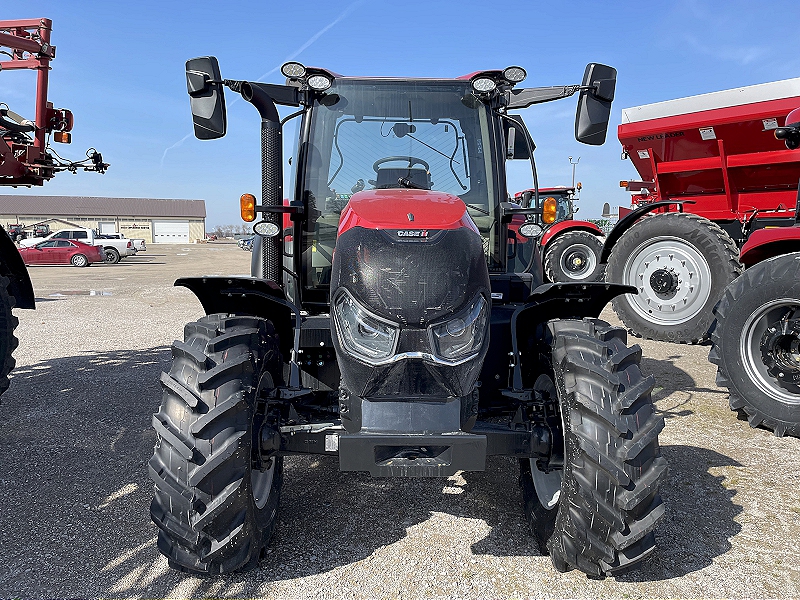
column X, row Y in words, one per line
column 463, row 335
column 362, row 334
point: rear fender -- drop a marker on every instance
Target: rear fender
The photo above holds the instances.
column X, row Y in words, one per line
column 11, row 266
column 247, row 296
column 559, row 301
column 766, row 243
column 628, row 220
column 569, row 225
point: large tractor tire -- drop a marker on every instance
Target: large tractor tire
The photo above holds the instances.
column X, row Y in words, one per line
column 681, row 264
column 574, row 256
column 215, row 504
column 756, row 344
column 597, row 513
column 8, row 341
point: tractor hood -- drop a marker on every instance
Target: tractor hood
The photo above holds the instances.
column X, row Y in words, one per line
column 410, row 296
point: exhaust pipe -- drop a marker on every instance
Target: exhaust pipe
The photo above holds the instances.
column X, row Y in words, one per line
column 271, row 177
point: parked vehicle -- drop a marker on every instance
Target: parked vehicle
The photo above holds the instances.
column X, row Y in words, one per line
column 62, row 252
column 138, row 243
column 707, row 171
column 756, row 340
column 26, row 159
column 571, row 248
column 114, row 248
column 363, row 331
column 15, row 232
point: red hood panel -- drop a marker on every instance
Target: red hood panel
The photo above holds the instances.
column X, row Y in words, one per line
column 390, row 209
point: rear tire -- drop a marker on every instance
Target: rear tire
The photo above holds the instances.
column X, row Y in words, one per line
column 8, row 341
column 755, row 344
column 112, row 255
column 574, row 256
column 215, row 510
column 79, row 260
column 681, row 264
column 601, row 519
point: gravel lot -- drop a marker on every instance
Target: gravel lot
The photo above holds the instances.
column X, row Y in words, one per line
column 75, row 438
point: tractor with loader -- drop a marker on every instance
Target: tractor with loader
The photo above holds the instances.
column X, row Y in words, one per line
column 27, row 159
column 384, row 325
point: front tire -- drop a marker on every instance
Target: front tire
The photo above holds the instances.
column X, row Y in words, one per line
column 214, row 505
column 602, row 516
column 756, row 344
column 79, row 260
column 574, row 256
column 681, row 264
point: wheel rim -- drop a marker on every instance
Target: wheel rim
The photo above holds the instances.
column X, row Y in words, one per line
column 261, row 484
column 79, row 260
column 261, row 479
column 760, row 326
column 109, row 256
column 547, row 485
column 578, row 261
column 673, row 279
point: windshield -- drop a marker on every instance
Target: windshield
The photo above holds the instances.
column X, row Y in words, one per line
column 379, row 134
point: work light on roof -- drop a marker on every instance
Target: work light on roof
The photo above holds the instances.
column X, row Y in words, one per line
column 483, row 84
column 319, row 82
column 293, row 70
column 514, row 74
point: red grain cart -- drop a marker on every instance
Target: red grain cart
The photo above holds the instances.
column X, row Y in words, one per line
column 710, row 177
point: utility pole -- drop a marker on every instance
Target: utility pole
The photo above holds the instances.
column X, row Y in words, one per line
column 574, row 164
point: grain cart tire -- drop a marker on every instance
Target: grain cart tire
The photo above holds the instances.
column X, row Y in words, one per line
column 574, row 256
column 598, row 513
column 8, row 341
column 215, row 505
column 681, row 264
column 111, row 255
column 756, row 344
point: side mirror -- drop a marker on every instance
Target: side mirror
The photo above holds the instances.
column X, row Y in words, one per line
column 204, row 84
column 594, row 104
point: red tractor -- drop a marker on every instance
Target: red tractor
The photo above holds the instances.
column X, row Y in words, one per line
column 710, row 178
column 757, row 334
column 571, row 248
column 383, row 325
column 26, row 159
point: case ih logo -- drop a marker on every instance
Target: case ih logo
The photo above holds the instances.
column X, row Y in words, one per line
column 412, row 233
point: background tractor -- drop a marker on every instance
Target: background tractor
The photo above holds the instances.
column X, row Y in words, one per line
column 25, row 159
column 756, row 340
column 571, row 248
column 383, row 324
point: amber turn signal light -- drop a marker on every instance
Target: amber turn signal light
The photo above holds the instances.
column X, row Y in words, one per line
column 549, row 210
column 62, row 137
column 247, row 204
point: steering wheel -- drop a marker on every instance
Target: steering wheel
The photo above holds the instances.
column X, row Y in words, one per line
column 412, row 160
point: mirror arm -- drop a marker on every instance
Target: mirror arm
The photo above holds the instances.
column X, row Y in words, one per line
column 524, row 98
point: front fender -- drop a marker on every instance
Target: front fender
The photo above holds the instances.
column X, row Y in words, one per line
column 628, row 220
column 11, row 266
column 766, row 243
column 559, row 301
column 241, row 295
column 569, row 225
